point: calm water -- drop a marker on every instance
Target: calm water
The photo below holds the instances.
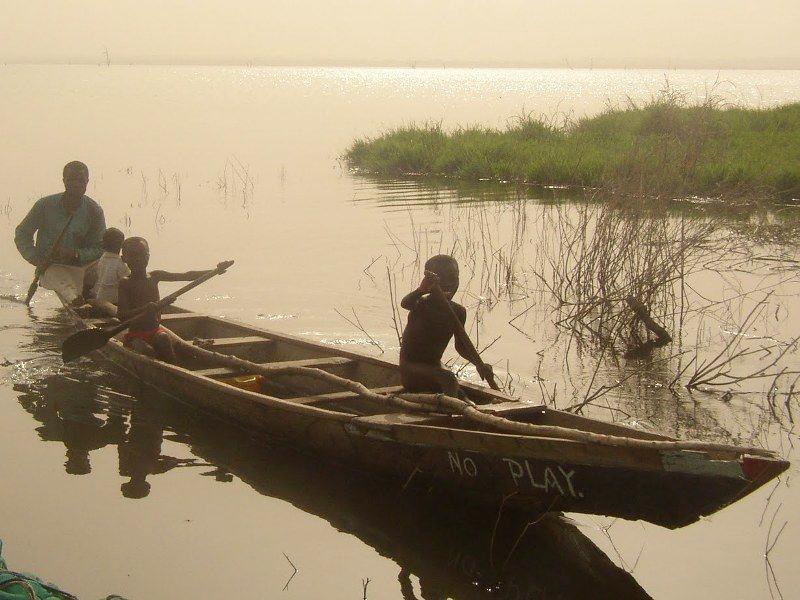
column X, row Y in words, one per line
column 112, row 489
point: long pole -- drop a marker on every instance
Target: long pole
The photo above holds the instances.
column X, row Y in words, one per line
column 40, row 269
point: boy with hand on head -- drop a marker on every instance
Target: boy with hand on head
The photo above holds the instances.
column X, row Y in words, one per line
column 140, row 291
column 429, row 330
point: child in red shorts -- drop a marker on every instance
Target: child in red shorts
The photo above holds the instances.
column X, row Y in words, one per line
column 140, row 290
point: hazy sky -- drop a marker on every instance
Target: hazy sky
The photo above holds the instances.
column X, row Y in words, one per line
column 623, row 32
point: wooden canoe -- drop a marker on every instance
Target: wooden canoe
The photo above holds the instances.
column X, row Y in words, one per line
column 668, row 486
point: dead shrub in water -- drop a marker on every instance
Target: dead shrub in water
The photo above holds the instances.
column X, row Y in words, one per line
column 593, row 257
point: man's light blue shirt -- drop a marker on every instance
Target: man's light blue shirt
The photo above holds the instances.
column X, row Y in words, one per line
column 48, row 217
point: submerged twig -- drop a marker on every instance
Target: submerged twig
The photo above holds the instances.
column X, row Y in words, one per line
column 364, row 584
column 357, row 324
column 294, row 572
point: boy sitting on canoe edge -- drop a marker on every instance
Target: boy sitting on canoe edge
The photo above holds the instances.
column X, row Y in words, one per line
column 110, row 269
column 430, row 329
column 101, row 280
column 140, row 290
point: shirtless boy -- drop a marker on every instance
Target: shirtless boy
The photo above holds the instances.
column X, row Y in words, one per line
column 429, row 330
column 140, row 289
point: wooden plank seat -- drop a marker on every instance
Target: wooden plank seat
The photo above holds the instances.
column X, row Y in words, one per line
column 167, row 318
column 316, row 363
column 319, row 398
column 227, row 343
column 101, row 322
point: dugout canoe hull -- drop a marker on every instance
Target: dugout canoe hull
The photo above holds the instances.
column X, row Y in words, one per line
column 671, row 488
column 460, row 550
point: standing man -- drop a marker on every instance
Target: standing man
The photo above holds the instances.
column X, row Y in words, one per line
column 80, row 244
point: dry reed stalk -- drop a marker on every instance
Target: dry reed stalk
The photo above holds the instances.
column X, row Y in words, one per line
column 357, row 324
column 717, row 371
column 364, row 584
column 398, row 330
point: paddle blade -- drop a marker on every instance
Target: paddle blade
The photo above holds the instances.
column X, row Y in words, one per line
column 83, row 342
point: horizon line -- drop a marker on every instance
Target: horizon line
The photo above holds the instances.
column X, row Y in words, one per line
column 770, row 64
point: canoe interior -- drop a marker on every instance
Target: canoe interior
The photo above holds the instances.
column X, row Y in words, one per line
column 259, row 346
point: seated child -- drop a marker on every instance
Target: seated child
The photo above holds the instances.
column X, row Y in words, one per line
column 140, row 289
column 108, row 272
column 429, row 330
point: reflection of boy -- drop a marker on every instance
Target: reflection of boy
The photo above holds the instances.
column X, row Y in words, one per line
column 111, row 269
column 429, row 330
column 140, row 454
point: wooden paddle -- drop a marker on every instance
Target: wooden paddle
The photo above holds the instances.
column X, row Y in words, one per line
column 47, row 261
column 462, row 337
column 87, row 340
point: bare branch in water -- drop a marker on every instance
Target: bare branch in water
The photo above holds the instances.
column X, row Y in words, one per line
column 717, row 371
column 393, row 300
column 769, row 544
column 357, row 324
column 294, row 572
column 367, row 268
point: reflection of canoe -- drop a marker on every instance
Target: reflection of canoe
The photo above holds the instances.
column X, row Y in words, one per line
column 665, row 485
column 454, row 550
